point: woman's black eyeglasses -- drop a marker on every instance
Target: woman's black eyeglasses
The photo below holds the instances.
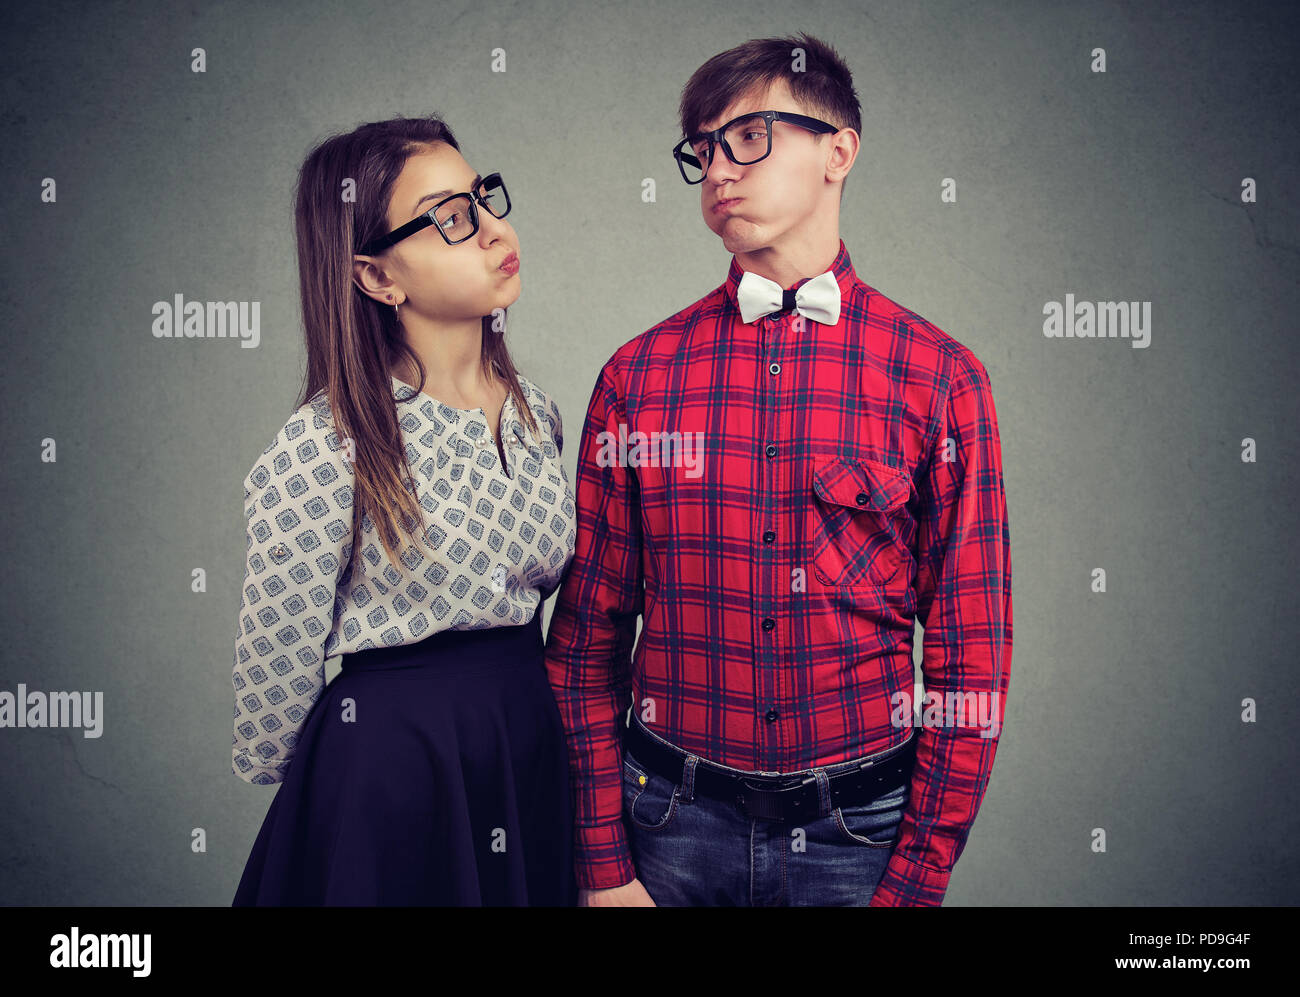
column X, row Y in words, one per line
column 745, row 140
column 455, row 217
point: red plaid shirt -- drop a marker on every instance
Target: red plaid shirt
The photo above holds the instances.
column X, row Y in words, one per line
column 850, row 483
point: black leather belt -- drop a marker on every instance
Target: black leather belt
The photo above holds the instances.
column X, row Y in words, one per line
column 778, row 798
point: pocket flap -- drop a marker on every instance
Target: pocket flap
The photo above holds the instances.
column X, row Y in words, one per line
column 862, row 483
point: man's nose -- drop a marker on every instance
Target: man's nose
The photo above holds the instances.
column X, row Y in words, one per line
column 716, row 174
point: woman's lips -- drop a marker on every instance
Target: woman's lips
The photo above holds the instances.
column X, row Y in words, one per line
column 725, row 205
column 510, row 264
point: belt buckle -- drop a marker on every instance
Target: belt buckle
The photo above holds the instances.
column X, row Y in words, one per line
column 767, row 800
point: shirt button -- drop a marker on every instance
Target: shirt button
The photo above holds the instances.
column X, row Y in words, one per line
column 280, row 550
column 768, row 536
column 769, row 623
column 483, row 443
column 771, row 716
column 774, row 368
column 771, row 450
column 861, row 499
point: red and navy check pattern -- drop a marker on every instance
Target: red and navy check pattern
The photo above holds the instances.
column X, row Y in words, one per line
column 850, row 482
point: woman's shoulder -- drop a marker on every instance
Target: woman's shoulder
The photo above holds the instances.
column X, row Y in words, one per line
column 305, row 451
column 543, row 406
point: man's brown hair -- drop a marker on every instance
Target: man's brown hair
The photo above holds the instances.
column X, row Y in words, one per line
column 824, row 87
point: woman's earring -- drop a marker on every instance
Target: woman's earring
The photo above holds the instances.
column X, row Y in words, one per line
column 395, row 311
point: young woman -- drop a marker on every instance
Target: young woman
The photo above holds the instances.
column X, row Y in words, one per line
column 432, row 769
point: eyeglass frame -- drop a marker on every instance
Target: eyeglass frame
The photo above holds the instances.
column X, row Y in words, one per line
column 426, row 218
column 718, row 137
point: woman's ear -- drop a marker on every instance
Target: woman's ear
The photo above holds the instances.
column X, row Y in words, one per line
column 373, row 282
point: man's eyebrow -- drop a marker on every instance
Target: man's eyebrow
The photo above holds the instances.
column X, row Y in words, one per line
column 437, row 195
column 736, row 117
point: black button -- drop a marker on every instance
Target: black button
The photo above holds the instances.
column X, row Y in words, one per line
column 770, row 450
column 771, row 716
column 768, row 536
column 862, row 498
column 774, row 368
column 769, row 623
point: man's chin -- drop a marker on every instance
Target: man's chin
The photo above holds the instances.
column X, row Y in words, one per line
column 739, row 236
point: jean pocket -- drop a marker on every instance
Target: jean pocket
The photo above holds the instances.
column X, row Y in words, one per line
column 858, row 520
column 649, row 800
column 873, row 824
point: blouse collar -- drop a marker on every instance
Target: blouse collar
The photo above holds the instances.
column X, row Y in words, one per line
column 510, row 422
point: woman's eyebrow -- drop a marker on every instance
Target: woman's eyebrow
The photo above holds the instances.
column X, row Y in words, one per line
column 439, row 194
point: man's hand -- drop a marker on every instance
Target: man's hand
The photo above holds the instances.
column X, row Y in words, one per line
column 631, row 894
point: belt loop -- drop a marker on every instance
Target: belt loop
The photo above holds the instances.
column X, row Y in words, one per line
column 688, row 779
column 823, row 792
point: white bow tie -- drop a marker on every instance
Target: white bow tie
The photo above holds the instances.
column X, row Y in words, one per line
column 818, row 299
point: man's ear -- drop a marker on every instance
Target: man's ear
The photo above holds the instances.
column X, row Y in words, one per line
column 841, row 155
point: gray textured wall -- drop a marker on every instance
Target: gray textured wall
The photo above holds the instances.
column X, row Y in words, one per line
column 1125, row 707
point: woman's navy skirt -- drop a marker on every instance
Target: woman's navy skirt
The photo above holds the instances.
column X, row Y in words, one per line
column 432, row 773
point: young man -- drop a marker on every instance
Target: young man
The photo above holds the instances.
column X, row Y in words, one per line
column 819, row 467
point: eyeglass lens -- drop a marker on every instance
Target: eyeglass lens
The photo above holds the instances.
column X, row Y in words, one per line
column 457, row 218
column 748, row 139
column 493, row 194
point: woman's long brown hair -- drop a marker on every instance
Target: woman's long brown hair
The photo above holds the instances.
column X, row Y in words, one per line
column 354, row 342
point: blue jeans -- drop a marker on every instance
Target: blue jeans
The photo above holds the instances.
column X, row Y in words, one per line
column 695, row 851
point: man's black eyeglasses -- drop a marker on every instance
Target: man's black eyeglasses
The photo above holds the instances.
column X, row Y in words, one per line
column 745, row 140
column 455, row 217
